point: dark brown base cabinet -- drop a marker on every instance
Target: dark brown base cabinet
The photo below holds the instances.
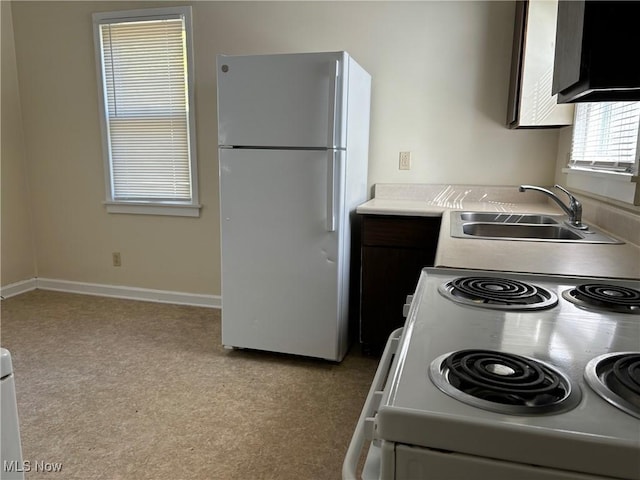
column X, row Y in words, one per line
column 394, row 251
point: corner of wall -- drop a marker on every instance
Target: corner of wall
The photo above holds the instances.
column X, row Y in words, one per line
column 17, row 243
column 562, row 158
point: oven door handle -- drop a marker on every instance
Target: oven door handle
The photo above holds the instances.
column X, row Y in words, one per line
column 371, row 404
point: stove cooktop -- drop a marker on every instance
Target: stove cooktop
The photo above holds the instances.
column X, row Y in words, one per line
column 580, row 431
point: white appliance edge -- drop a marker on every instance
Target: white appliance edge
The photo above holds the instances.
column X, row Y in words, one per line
column 11, row 467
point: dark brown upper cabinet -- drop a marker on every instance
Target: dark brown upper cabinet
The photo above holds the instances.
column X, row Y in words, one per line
column 531, row 103
column 597, row 51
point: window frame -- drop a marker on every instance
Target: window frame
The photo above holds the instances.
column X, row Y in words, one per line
column 608, row 166
column 148, row 207
column 604, row 183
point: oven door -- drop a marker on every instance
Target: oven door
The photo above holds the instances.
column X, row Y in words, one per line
column 365, row 427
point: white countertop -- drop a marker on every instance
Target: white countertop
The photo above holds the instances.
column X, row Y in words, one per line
column 581, row 259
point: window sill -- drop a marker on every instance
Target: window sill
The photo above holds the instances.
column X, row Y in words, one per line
column 619, row 186
column 147, row 208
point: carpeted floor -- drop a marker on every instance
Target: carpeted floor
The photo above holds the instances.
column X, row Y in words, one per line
column 119, row 389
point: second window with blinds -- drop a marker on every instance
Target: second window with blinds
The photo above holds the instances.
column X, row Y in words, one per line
column 605, row 151
column 145, row 73
column 605, row 136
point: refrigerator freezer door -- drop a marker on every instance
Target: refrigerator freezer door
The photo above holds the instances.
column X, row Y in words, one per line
column 280, row 264
column 288, row 100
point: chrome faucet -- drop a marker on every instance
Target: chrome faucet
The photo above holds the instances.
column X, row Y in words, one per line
column 574, row 210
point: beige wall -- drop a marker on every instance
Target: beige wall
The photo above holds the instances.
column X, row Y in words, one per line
column 440, row 77
column 17, row 259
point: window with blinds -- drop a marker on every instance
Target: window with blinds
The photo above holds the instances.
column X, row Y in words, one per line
column 605, row 136
column 144, row 68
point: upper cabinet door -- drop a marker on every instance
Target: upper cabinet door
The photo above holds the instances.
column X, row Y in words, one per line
column 531, row 102
column 288, row 100
column 597, row 47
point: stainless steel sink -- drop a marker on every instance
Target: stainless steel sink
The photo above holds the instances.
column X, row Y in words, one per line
column 527, row 227
column 507, row 218
column 520, row 231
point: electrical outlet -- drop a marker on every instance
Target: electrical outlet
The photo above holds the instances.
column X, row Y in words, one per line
column 405, row 161
column 117, row 260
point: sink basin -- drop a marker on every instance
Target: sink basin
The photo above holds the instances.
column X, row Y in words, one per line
column 507, row 218
column 515, row 230
column 524, row 227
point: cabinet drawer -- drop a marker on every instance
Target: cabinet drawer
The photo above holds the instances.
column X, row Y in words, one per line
column 400, row 231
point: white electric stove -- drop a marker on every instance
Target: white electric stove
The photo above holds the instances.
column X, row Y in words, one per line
column 503, row 376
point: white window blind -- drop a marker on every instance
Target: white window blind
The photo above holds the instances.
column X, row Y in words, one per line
column 605, row 136
column 144, row 66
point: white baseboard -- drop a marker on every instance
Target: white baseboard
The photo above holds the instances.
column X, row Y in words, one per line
column 17, row 288
column 118, row 291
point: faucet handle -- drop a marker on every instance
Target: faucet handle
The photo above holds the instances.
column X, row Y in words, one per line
column 576, row 209
column 572, row 200
column 561, row 188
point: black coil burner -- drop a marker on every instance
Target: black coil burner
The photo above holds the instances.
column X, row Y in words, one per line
column 611, row 298
column 503, row 382
column 616, row 378
column 498, row 293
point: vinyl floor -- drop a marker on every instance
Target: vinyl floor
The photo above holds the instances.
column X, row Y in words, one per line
column 121, row 389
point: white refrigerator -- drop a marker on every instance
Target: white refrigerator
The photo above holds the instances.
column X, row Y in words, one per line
column 293, row 137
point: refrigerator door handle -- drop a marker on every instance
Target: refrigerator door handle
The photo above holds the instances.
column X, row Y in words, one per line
column 333, row 105
column 331, row 191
